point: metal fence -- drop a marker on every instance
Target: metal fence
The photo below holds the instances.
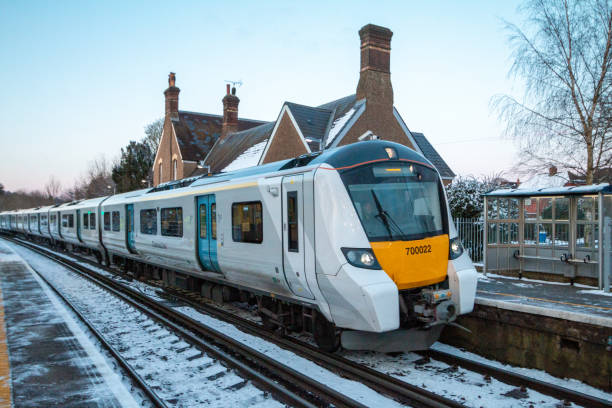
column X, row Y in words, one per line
column 471, row 232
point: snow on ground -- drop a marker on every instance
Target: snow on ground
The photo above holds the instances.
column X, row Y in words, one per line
column 595, row 292
column 337, row 126
column 249, row 158
column 178, row 372
column 467, row 387
column 529, row 372
column 112, row 380
column 462, row 385
column 486, row 278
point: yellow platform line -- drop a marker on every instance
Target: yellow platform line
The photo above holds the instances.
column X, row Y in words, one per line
column 544, row 300
column 5, row 369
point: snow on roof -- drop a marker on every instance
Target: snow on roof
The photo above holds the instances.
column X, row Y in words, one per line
column 604, row 188
column 249, row 158
column 338, row 124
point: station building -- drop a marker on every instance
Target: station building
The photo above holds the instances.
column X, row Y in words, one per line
column 193, row 143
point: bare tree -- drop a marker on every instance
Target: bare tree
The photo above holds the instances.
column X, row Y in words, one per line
column 153, row 132
column 564, row 58
column 53, row 188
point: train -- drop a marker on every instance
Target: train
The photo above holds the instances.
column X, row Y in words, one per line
column 355, row 244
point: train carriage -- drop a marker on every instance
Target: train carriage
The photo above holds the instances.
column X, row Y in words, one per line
column 43, row 214
column 117, row 234
column 354, row 244
column 87, row 224
column 55, row 222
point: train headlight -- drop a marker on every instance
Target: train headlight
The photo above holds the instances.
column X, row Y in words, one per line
column 455, row 248
column 361, row 258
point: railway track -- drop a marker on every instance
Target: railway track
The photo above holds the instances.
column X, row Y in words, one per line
column 299, row 386
column 395, row 388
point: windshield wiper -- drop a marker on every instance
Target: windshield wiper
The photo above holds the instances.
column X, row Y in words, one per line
column 385, row 217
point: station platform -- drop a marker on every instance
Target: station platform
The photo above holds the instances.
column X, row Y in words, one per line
column 46, row 357
column 578, row 303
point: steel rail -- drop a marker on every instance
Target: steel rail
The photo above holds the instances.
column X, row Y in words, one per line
column 388, row 385
column 270, row 372
column 519, row 380
column 155, row 399
column 394, row 388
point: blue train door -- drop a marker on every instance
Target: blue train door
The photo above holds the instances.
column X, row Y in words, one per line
column 129, row 226
column 78, row 225
column 207, row 232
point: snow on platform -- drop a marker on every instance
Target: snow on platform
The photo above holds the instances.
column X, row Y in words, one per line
column 52, row 361
column 579, row 303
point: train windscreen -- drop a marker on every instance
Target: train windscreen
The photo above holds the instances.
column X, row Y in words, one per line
column 397, row 201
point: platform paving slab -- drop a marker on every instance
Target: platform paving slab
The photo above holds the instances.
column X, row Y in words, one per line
column 48, row 363
column 572, row 302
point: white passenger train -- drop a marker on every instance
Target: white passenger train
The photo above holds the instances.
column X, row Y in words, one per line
column 355, row 244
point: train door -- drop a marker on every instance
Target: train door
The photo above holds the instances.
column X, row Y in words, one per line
column 59, row 224
column 129, row 227
column 293, row 235
column 207, row 232
column 78, row 225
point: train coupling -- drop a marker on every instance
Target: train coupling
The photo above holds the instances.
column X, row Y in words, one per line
column 436, row 307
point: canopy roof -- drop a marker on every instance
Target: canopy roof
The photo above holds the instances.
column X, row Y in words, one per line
column 604, row 188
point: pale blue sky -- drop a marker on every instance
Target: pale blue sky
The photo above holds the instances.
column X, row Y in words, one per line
column 82, row 78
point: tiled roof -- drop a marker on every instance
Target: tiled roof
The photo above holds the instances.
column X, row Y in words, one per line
column 196, row 133
column 432, row 155
column 235, row 144
column 313, row 122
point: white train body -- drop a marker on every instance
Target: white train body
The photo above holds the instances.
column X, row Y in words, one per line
column 299, row 232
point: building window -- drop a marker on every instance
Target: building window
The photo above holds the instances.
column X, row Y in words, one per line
column 160, row 172
column 107, row 221
column 174, row 170
column 247, row 222
column 116, row 221
column 172, row 222
column 587, row 223
column 148, row 221
column 92, row 221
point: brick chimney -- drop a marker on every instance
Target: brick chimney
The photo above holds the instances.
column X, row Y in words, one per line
column 552, row 171
column 375, row 75
column 172, row 94
column 230, row 111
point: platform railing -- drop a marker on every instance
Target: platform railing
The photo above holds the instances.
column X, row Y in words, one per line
column 471, row 233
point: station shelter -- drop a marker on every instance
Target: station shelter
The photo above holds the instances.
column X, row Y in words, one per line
column 558, row 233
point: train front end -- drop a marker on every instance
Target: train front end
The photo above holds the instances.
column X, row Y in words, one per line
column 411, row 243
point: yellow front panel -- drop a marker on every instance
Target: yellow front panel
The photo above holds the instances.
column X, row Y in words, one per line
column 416, row 263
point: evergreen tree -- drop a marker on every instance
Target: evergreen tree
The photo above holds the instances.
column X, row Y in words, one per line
column 131, row 172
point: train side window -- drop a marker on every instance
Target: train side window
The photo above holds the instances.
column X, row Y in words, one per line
column 247, row 222
column 85, row 221
column 292, row 221
column 203, row 225
column 107, row 221
column 70, row 220
column 172, row 222
column 148, row 221
column 213, row 220
column 116, row 221
column 92, row 221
